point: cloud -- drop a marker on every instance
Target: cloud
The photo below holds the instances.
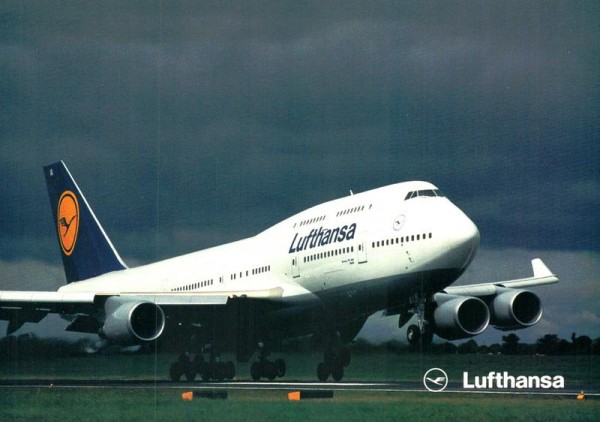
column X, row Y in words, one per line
column 497, row 111
column 193, row 125
column 587, row 317
column 29, row 274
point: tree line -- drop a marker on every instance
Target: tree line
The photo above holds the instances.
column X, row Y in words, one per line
column 549, row 344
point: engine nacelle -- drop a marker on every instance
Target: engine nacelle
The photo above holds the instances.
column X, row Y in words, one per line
column 513, row 309
column 130, row 322
column 457, row 317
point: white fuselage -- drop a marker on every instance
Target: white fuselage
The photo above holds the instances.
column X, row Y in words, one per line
column 364, row 252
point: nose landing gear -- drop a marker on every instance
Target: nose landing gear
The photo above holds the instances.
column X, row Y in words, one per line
column 416, row 335
column 420, row 333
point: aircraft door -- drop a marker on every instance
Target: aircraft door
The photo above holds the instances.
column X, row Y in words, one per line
column 362, row 253
column 295, row 267
column 361, row 247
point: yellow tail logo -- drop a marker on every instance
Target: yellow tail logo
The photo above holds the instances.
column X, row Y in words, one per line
column 67, row 221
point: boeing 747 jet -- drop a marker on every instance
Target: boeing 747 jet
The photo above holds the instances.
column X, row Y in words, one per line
column 320, row 273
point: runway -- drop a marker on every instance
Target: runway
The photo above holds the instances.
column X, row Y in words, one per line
column 387, row 387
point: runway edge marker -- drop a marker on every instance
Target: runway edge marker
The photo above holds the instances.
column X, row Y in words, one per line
column 310, row 394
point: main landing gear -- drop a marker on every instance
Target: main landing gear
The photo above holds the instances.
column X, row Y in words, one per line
column 333, row 364
column 266, row 368
column 211, row 370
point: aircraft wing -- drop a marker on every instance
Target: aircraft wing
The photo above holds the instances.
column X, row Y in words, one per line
column 541, row 275
column 81, row 302
column 466, row 311
column 20, row 307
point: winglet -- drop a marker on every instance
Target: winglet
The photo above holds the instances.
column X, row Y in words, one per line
column 540, row 269
column 541, row 275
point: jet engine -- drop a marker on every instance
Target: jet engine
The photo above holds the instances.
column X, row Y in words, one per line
column 130, row 322
column 457, row 317
column 513, row 309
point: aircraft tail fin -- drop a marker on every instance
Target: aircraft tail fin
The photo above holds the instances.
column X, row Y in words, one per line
column 86, row 250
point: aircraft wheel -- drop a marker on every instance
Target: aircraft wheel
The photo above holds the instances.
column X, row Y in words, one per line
column 190, row 373
column 198, row 363
column 322, row 372
column 413, row 335
column 270, row 370
column 337, row 372
column 256, row 371
column 344, row 356
column 229, row 370
column 280, row 365
column 427, row 336
column 175, row 371
column 205, row 372
column 219, row 371
column 189, row 369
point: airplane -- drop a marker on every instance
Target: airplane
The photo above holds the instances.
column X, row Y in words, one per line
column 321, row 273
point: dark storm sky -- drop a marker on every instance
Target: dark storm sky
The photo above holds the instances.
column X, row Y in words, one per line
column 191, row 125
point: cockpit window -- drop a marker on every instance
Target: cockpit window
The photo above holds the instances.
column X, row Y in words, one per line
column 423, row 193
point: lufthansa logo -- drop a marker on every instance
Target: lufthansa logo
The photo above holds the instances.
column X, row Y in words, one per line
column 67, row 221
column 399, row 222
column 435, row 380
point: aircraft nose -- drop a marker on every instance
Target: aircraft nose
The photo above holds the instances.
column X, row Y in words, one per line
column 464, row 240
column 471, row 238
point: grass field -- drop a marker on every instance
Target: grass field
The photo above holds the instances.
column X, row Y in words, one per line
column 160, row 404
column 163, row 404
